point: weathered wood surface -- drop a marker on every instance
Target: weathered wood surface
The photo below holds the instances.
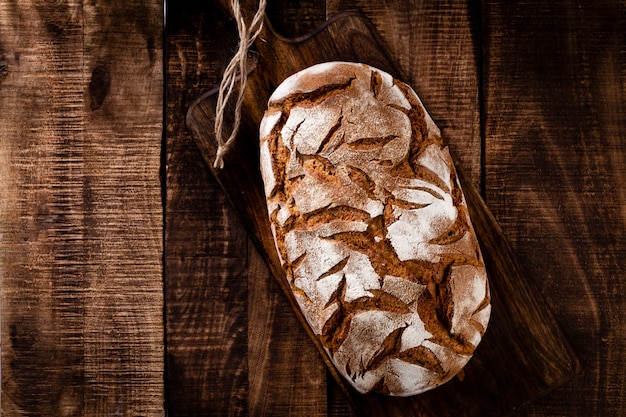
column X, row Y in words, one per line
column 537, row 89
column 555, row 175
column 80, row 208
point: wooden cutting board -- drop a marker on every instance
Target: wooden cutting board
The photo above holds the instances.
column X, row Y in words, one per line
column 523, row 354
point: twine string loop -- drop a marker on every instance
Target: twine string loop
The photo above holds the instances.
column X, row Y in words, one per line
column 235, row 71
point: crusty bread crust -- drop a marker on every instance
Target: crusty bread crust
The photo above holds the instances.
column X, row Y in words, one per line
column 372, row 228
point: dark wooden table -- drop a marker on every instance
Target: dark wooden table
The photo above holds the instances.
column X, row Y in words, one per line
column 129, row 285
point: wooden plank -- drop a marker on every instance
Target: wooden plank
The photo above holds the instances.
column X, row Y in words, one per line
column 225, row 319
column 523, row 354
column 43, row 248
column 555, row 174
column 206, row 315
column 81, row 227
column 123, row 337
column 205, row 305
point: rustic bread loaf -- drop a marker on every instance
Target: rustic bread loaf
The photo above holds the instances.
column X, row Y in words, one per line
column 372, row 228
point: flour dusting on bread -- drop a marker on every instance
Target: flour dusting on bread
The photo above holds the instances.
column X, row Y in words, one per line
column 372, row 228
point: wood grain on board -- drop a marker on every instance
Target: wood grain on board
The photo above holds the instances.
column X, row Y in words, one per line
column 80, row 208
column 523, row 355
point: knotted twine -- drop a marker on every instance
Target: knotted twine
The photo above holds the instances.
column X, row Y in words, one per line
column 236, row 70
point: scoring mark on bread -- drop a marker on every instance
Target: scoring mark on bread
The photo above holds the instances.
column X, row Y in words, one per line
column 322, row 149
column 318, row 166
column 360, row 178
column 339, row 266
column 329, row 214
column 424, row 357
column 376, row 81
column 294, row 265
column 366, row 144
column 389, row 348
column 311, row 98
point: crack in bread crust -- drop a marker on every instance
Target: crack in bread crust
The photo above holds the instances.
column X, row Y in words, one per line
column 372, row 228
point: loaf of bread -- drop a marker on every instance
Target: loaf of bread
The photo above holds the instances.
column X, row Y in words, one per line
column 372, row 228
